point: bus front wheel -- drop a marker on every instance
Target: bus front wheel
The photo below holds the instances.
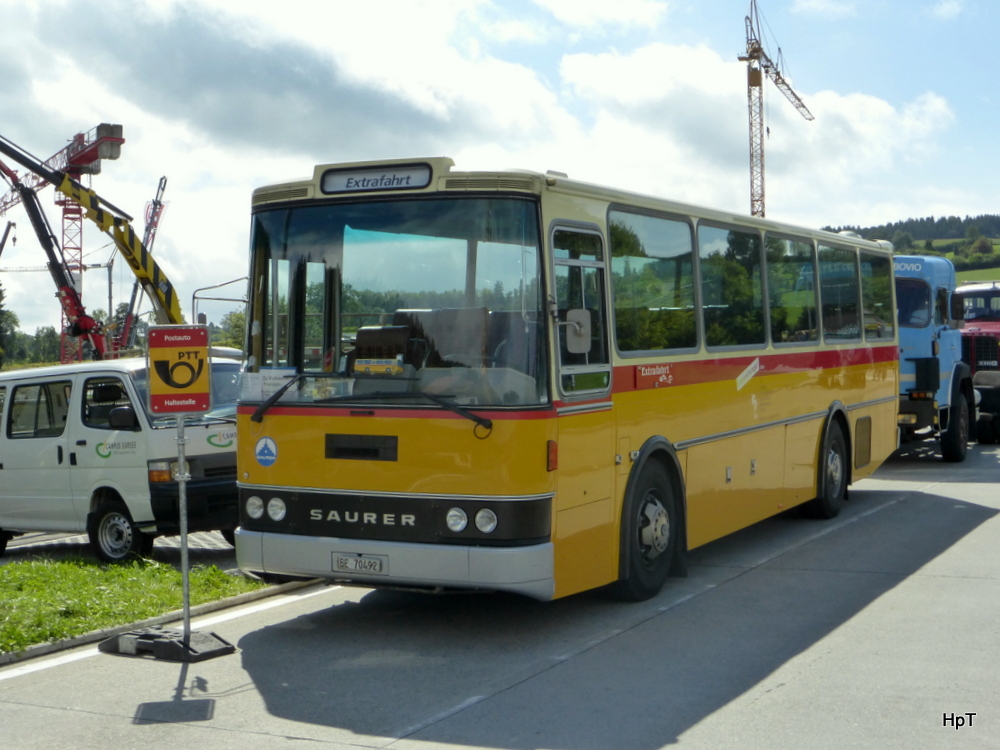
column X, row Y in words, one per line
column 649, row 535
column 832, row 476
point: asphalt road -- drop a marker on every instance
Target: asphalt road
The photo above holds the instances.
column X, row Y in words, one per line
column 878, row 629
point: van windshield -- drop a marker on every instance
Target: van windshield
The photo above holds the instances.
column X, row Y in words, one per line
column 225, row 389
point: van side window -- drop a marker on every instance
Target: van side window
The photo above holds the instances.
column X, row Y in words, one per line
column 39, row 410
column 100, row 396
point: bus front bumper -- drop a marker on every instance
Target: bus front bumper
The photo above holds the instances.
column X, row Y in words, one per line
column 527, row 570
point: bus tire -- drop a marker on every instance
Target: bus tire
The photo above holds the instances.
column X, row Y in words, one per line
column 649, row 535
column 955, row 440
column 833, row 469
column 113, row 535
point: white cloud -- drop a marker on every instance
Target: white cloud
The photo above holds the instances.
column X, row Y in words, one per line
column 829, row 8
column 590, row 14
column 947, row 10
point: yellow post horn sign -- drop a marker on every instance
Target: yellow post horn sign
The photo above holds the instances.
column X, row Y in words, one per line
column 179, row 370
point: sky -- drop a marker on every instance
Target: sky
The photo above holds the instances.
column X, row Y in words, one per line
column 222, row 96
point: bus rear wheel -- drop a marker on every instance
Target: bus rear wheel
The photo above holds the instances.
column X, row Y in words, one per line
column 832, row 476
column 649, row 535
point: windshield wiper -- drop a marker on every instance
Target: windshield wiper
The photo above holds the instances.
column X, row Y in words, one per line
column 258, row 415
column 439, row 399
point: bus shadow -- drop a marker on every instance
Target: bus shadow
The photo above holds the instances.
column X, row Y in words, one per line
column 981, row 464
column 586, row 672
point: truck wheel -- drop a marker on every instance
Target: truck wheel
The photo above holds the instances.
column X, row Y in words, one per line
column 649, row 535
column 955, row 440
column 114, row 537
column 832, row 476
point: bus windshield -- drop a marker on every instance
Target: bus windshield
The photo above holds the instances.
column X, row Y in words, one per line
column 435, row 298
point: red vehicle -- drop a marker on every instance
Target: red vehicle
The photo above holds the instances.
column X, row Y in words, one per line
column 981, row 349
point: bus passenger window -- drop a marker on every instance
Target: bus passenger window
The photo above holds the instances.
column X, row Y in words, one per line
column 791, row 268
column 731, row 296
column 876, row 296
column 839, row 293
column 652, row 276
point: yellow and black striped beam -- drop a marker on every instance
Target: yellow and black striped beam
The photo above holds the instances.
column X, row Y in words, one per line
column 152, row 279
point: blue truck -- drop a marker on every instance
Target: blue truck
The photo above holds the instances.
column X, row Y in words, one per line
column 936, row 397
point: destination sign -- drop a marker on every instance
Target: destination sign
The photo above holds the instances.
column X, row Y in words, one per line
column 369, row 179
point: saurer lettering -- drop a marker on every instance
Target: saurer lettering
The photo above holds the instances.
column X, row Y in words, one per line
column 375, row 519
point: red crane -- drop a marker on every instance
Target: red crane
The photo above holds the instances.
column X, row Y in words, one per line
column 82, row 156
column 78, row 323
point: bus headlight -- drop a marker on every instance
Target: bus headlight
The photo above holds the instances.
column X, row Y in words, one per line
column 255, row 507
column 457, row 520
column 276, row 508
column 486, row 520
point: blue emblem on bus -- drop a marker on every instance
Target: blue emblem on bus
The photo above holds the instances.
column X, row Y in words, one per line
column 266, row 451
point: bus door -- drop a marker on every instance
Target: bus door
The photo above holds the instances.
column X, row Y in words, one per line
column 584, row 505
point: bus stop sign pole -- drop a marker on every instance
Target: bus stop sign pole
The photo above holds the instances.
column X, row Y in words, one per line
column 179, row 383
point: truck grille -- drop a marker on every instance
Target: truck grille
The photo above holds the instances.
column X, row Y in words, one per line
column 981, row 352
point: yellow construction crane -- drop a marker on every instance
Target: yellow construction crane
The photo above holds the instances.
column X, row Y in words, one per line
column 759, row 63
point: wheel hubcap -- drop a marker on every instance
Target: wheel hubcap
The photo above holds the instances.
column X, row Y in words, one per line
column 116, row 536
column 654, row 534
column 834, row 471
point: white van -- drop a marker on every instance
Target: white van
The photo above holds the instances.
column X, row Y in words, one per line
column 79, row 451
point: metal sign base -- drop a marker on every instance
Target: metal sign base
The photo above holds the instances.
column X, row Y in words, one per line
column 167, row 644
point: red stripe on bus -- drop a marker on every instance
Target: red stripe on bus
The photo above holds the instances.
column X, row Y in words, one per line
column 697, row 372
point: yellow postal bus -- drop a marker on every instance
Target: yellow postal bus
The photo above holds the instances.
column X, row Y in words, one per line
column 517, row 381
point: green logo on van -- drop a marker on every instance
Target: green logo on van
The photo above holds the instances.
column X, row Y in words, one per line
column 222, row 439
column 107, row 450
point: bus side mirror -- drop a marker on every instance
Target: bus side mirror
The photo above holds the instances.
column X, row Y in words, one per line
column 577, row 326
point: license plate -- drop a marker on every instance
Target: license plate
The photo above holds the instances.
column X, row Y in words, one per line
column 369, row 564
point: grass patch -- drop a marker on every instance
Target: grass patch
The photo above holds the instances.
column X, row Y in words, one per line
column 979, row 274
column 51, row 600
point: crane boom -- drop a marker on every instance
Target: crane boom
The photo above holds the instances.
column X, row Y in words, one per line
column 126, row 338
column 114, row 222
column 759, row 64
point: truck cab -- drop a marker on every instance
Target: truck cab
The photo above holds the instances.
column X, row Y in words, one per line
column 981, row 350
column 936, row 398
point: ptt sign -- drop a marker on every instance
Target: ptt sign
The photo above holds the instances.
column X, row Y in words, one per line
column 179, row 377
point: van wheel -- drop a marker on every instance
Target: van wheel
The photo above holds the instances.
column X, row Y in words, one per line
column 832, row 476
column 229, row 535
column 4, row 538
column 955, row 440
column 114, row 537
column 649, row 535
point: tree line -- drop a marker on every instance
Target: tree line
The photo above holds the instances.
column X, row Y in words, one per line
column 19, row 349
column 931, row 228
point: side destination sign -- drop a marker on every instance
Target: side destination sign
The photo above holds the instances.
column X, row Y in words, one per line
column 369, row 179
column 178, row 365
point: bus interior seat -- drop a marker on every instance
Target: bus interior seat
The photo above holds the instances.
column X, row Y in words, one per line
column 511, row 340
column 452, row 335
